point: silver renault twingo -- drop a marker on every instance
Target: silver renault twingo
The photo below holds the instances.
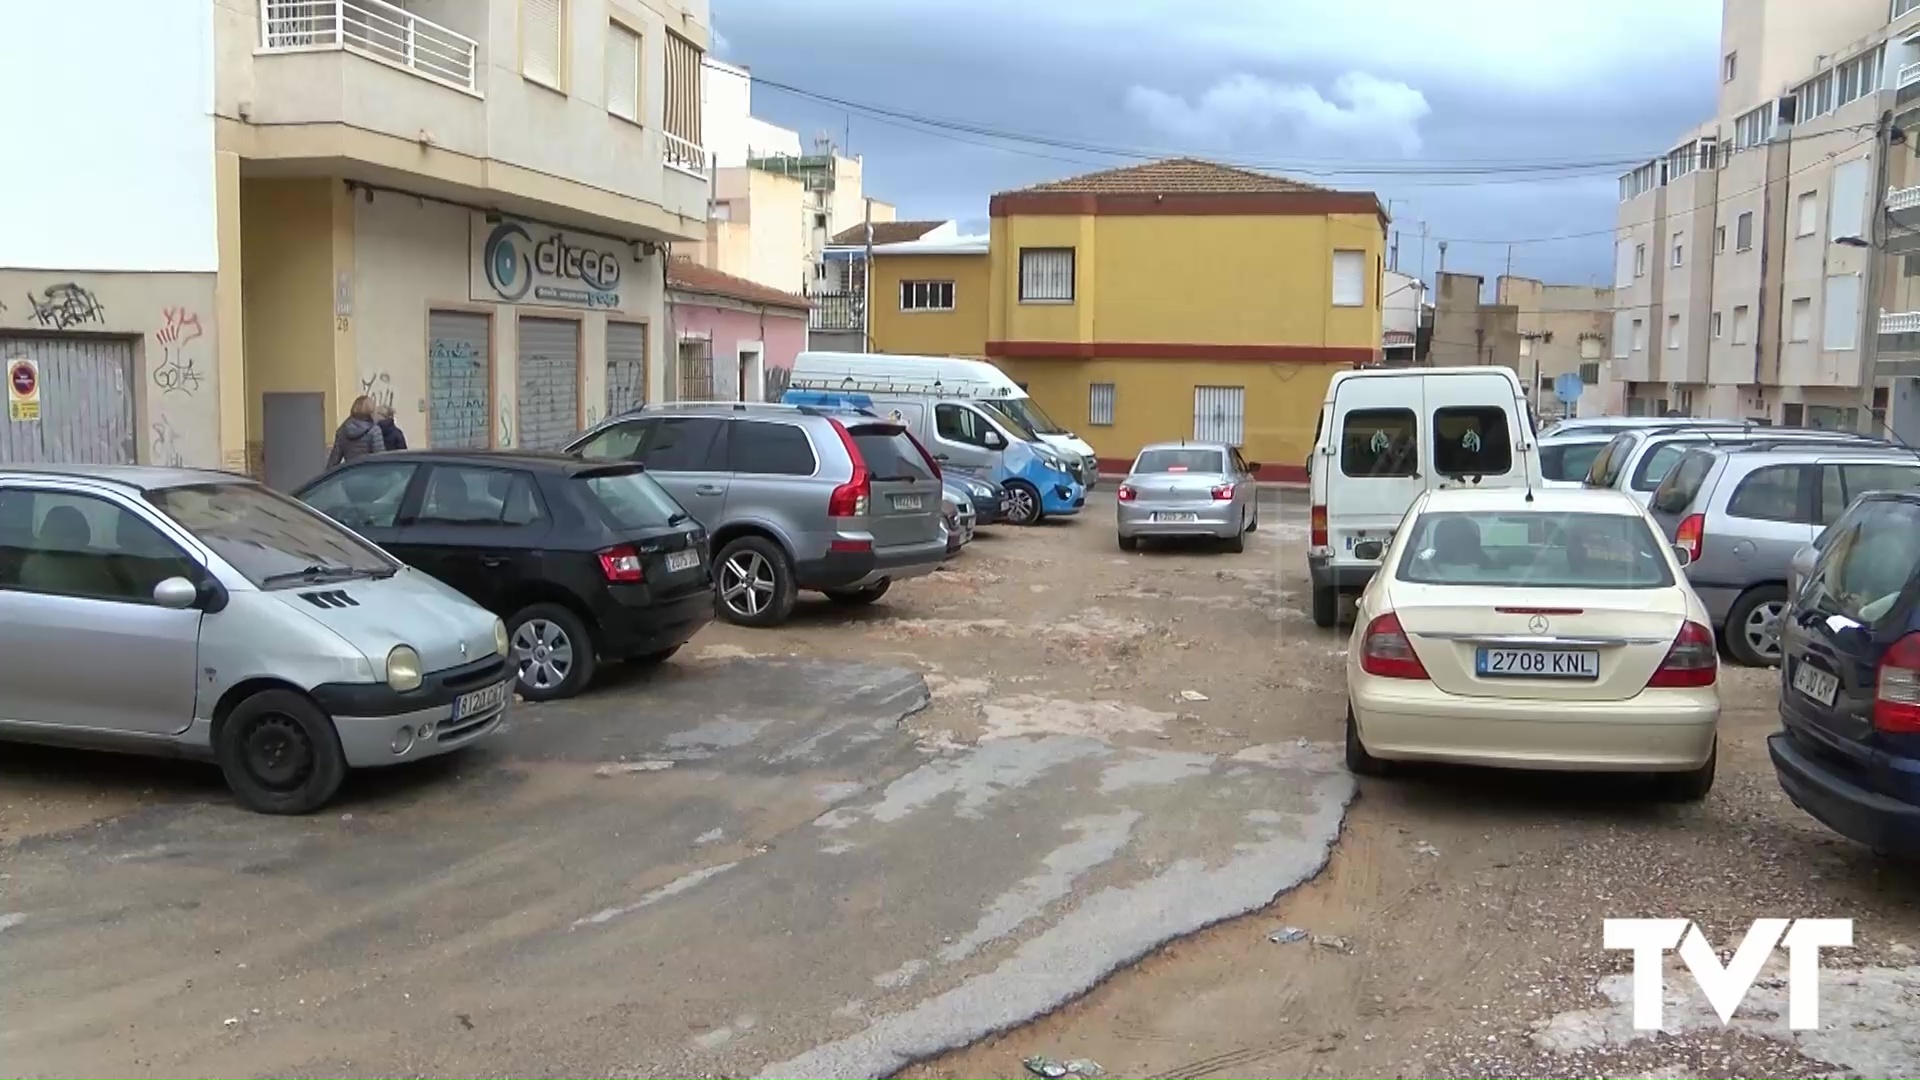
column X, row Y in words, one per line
column 192, row 613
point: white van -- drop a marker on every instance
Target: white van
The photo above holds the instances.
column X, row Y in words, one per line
column 1387, row 434
column 959, row 378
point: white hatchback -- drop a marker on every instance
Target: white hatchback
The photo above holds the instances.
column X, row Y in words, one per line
column 1535, row 630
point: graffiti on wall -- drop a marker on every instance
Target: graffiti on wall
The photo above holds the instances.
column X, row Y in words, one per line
column 379, row 387
column 64, row 306
column 778, row 378
column 176, row 372
column 506, row 427
column 166, row 444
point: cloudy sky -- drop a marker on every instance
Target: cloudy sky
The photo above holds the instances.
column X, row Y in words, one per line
column 1461, row 102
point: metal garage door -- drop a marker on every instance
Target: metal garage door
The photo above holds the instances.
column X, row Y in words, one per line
column 549, row 400
column 459, row 380
column 1219, row 414
column 626, row 366
column 86, row 402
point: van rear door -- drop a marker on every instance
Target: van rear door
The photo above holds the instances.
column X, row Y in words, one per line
column 1376, row 468
column 1478, row 431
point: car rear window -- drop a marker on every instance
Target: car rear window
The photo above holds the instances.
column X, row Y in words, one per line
column 1872, row 556
column 1380, row 443
column 1682, row 484
column 1569, row 460
column 634, row 500
column 1535, row 550
column 1182, row 460
column 1606, row 468
column 1656, row 463
column 888, row 452
column 1472, row 441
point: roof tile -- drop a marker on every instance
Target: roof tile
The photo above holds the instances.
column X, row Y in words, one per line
column 689, row 276
column 885, row 232
column 1174, row 176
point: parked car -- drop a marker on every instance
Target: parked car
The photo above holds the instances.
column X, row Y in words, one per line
column 1188, row 489
column 186, row 613
column 990, row 500
column 588, row 563
column 956, row 511
column 1534, row 630
column 1848, row 751
column 1637, row 461
column 1742, row 512
column 793, row 498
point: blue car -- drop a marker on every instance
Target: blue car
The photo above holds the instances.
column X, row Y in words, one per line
column 1848, row 751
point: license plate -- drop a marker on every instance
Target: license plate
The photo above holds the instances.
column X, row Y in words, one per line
column 1537, row 664
column 1175, row 519
column 481, row 701
column 1815, row 683
column 682, row 560
column 907, row 502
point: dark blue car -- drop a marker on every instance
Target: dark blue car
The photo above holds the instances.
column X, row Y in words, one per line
column 1849, row 747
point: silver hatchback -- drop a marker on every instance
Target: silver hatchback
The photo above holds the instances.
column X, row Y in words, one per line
column 1188, row 489
column 199, row 614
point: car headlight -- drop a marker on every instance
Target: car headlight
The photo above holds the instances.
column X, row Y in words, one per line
column 403, row 668
column 500, row 637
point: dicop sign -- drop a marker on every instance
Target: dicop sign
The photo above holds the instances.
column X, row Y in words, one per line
column 520, row 262
column 1726, row 987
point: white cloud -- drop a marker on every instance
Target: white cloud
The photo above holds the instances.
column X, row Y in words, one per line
column 1357, row 109
column 722, row 48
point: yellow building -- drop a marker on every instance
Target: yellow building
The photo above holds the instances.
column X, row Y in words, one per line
column 1178, row 299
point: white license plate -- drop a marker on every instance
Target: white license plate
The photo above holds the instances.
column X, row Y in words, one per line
column 907, row 502
column 1175, row 519
column 1815, row 683
column 482, row 700
column 682, row 560
column 1537, row 664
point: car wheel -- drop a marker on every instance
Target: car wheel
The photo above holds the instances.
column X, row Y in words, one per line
column 859, row 597
column 1359, row 762
column 1254, row 525
column 1753, row 626
column 754, row 581
column 1023, row 503
column 1129, row 543
column 1690, row 786
column 280, row 753
column 655, row 658
column 1237, row 543
column 551, row 651
column 1326, row 606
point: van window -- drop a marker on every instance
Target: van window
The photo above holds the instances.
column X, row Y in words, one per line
column 1872, row 556
column 1774, row 493
column 1380, row 442
column 956, row 423
column 1472, row 440
column 1678, row 490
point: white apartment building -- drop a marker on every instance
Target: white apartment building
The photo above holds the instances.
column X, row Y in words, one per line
column 1741, row 259
column 253, row 211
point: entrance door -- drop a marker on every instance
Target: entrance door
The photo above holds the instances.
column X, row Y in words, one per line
column 549, row 382
column 753, row 377
column 295, row 433
column 86, row 404
column 459, row 380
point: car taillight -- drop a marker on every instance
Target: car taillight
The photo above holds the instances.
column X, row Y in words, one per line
column 1896, row 697
column 1690, row 535
column 1691, row 661
column 1317, row 527
column 1386, row 652
column 621, row 564
column 1223, row 493
column 924, row 456
column 851, row 498
column 1126, row 494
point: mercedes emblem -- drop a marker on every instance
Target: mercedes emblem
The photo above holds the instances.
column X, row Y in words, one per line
column 1537, row 624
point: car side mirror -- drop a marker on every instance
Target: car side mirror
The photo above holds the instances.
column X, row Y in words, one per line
column 177, row 593
column 1683, row 555
column 993, row 440
column 1253, row 466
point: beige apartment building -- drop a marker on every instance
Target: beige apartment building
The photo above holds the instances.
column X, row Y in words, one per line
column 1539, row 330
column 1744, row 264
column 461, row 208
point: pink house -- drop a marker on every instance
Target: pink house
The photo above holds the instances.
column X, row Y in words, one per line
column 737, row 338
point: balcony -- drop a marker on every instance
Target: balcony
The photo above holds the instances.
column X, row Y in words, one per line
column 685, row 156
column 376, row 30
column 1899, row 345
column 831, row 312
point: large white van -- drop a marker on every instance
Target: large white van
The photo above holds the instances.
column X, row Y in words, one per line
column 958, row 377
column 1387, row 434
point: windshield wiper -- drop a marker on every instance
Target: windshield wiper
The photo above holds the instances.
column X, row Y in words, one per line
column 320, row 573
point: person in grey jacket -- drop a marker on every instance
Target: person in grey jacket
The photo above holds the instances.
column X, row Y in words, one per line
column 358, row 436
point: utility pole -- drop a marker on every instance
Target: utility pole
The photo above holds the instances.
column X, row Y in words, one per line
column 866, row 284
column 1870, row 283
column 1509, row 260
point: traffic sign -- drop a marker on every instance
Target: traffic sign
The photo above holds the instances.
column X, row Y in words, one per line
column 1567, row 387
column 23, row 389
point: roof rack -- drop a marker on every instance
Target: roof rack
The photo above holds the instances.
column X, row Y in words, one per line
column 854, row 385
column 1793, row 435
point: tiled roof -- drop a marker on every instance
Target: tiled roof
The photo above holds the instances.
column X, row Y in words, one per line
column 1173, row 176
column 690, row 276
column 885, row 232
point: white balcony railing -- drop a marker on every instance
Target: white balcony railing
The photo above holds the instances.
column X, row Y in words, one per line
column 683, row 155
column 374, row 29
column 1909, row 75
column 1900, row 322
column 1899, row 199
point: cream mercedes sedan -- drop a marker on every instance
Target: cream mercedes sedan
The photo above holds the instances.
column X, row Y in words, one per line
column 1551, row 629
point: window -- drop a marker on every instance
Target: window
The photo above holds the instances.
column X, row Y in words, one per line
column 1841, row 484
column 686, row 444
column 957, row 423
column 1178, row 461
column 1753, row 128
column 265, row 535
column 1622, row 334
column 1046, row 275
column 1679, row 249
column 1547, row 550
column 1773, row 493
column 1792, row 415
column 82, row 546
column 470, row 496
column 1729, row 67
column 1740, row 320
column 680, row 111
column 1606, row 467
column 1526, row 346
column 1622, row 264
column 1807, row 209
column 1720, row 239
column 1640, row 260
column 889, row 452
column 1589, row 347
column 1641, row 180
column 621, row 442
column 1673, row 331
column 926, row 296
column 1832, row 417
column 1713, row 325
column 1349, row 278
column 542, row 29
column 769, row 449
column 1800, row 319
column 634, row 500
column 364, row 496
column 1743, row 231
column 1870, row 562
column 1639, row 335
column 1590, row 373
column 1568, row 461
column 1472, row 441
column 623, row 72
column 1655, row 463
column 1219, row 414
column 1379, row 442
column 1847, row 215
column 1842, row 307
column 1910, row 266
column 1682, row 483
column 1100, row 404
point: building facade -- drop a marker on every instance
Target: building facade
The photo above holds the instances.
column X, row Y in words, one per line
column 737, row 339
column 459, row 209
column 840, row 301
column 931, row 296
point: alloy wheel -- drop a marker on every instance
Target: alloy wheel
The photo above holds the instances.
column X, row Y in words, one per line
column 1762, row 628
column 542, row 653
column 1021, row 508
column 746, row 583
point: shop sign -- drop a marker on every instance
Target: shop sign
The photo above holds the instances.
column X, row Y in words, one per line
column 519, row 262
column 23, row 389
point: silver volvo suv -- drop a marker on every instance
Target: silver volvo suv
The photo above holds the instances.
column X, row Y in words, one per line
column 793, row 497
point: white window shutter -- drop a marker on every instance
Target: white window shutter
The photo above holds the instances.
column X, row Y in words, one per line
column 1622, row 334
column 1847, row 209
column 1622, row 264
column 1349, row 278
column 623, row 72
column 1842, row 329
column 540, row 42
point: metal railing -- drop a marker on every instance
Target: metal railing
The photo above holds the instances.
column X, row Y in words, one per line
column 833, row 312
column 374, row 29
column 1903, row 199
column 1901, row 7
column 683, row 155
column 1900, row 322
column 1909, row 75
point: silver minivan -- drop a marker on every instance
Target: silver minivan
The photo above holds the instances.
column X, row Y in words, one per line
column 198, row 614
column 1637, row 461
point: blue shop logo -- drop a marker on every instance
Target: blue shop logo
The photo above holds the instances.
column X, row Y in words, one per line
column 509, row 260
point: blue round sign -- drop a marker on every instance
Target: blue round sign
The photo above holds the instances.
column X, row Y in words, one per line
column 1567, row 387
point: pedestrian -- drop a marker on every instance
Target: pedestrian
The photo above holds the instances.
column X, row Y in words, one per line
column 390, row 432
column 358, row 435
